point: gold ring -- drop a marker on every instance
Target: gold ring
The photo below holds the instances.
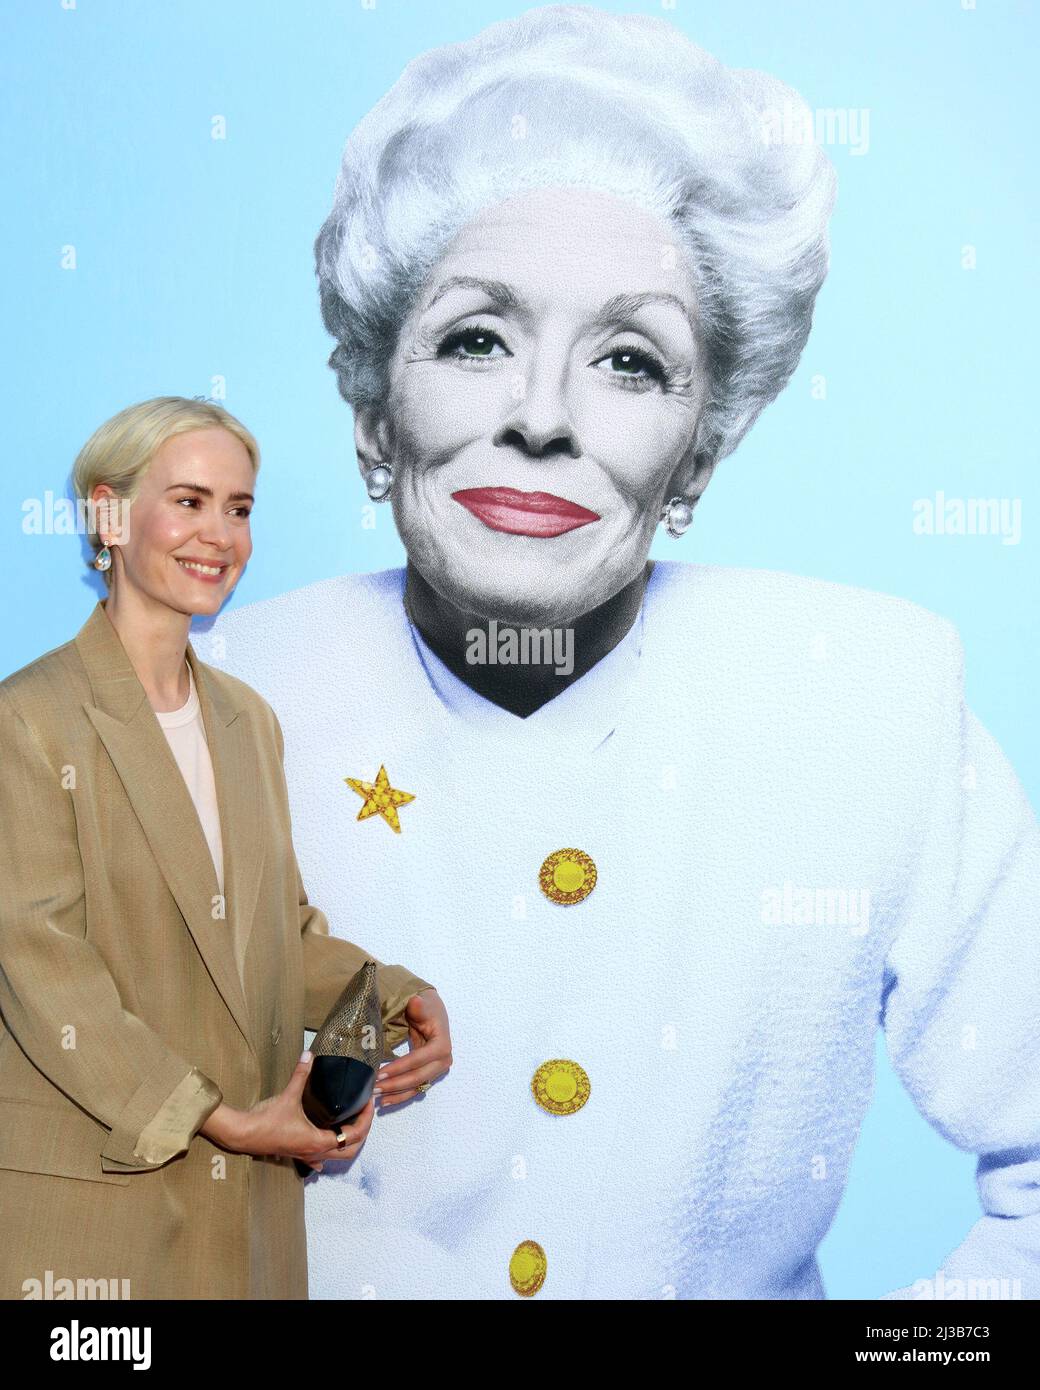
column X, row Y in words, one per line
column 423, row 1086
column 341, row 1138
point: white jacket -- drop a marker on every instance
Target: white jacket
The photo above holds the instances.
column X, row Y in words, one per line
column 798, row 829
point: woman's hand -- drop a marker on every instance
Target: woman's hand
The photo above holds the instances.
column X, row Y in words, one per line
column 429, row 1057
column 278, row 1126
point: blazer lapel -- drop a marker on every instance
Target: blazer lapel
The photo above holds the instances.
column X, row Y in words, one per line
column 236, row 772
column 126, row 724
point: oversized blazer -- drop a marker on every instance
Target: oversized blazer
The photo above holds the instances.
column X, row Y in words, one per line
column 123, row 1016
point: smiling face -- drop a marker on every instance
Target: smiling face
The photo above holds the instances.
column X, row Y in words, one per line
column 544, row 396
column 188, row 538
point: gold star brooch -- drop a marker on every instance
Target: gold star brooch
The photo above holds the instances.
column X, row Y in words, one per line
column 381, row 799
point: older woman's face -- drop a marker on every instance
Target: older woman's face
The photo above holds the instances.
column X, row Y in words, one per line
column 543, row 402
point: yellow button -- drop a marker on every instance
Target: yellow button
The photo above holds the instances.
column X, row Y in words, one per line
column 561, row 1086
column 527, row 1268
column 567, row 876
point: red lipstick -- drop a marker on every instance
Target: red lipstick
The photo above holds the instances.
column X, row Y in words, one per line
column 524, row 513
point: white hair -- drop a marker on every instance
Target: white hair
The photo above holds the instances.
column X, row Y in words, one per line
column 572, row 95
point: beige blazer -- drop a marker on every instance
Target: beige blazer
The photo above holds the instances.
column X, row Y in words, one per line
column 123, row 1017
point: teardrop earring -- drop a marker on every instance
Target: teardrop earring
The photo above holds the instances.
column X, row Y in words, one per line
column 677, row 515
column 103, row 559
column 378, row 482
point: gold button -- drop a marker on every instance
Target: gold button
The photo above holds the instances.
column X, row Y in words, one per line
column 527, row 1268
column 561, row 1086
column 567, row 876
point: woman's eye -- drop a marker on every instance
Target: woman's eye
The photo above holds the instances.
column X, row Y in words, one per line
column 192, row 501
column 478, row 343
column 637, row 365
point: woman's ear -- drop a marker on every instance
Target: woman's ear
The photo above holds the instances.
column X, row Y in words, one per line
column 692, row 476
column 110, row 514
column 371, row 439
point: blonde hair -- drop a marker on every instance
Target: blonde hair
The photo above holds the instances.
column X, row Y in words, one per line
column 120, row 451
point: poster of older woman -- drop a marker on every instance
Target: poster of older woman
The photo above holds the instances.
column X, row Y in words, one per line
column 675, row 837
column 671, row 749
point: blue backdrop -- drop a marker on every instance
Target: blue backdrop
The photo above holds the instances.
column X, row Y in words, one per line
column 168, row 167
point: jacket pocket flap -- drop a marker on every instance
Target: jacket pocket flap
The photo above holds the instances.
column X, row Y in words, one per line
column 47, row 1139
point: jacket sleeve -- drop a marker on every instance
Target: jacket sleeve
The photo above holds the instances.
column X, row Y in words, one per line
column 962, row 1000
column 57, row 996
column 329, row 961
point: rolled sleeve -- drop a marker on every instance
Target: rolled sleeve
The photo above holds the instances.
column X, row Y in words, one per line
column 169, row 1129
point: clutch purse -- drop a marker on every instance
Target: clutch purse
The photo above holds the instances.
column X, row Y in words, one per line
column 347, row 1051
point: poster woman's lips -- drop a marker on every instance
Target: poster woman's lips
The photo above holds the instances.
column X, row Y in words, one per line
column 524, row 513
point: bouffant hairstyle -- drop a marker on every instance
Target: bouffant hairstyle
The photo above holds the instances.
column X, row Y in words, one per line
column 571, row 95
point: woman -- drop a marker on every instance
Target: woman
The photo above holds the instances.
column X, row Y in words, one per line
column 675, row 836
column 159, row 958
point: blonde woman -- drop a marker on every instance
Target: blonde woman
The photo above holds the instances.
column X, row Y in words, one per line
column 159, row 960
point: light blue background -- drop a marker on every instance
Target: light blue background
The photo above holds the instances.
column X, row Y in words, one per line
column 194, row 263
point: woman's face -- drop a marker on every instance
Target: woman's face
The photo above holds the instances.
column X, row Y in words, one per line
column 187, row 539
column 544, row 396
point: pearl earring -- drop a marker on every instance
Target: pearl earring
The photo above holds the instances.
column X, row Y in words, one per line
column 103, row 559
column 677, row 515
column 378, row 481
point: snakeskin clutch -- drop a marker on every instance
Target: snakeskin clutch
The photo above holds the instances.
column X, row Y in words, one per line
column 347, row 1048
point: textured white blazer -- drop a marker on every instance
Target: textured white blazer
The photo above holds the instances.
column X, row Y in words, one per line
column 799, row 832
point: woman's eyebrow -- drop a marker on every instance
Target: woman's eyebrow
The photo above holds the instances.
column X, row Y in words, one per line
column 617, row 309
column 496, row 290
column 208, row 492
column 621, row 307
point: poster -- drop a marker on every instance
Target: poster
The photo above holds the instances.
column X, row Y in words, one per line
column 855, row 351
